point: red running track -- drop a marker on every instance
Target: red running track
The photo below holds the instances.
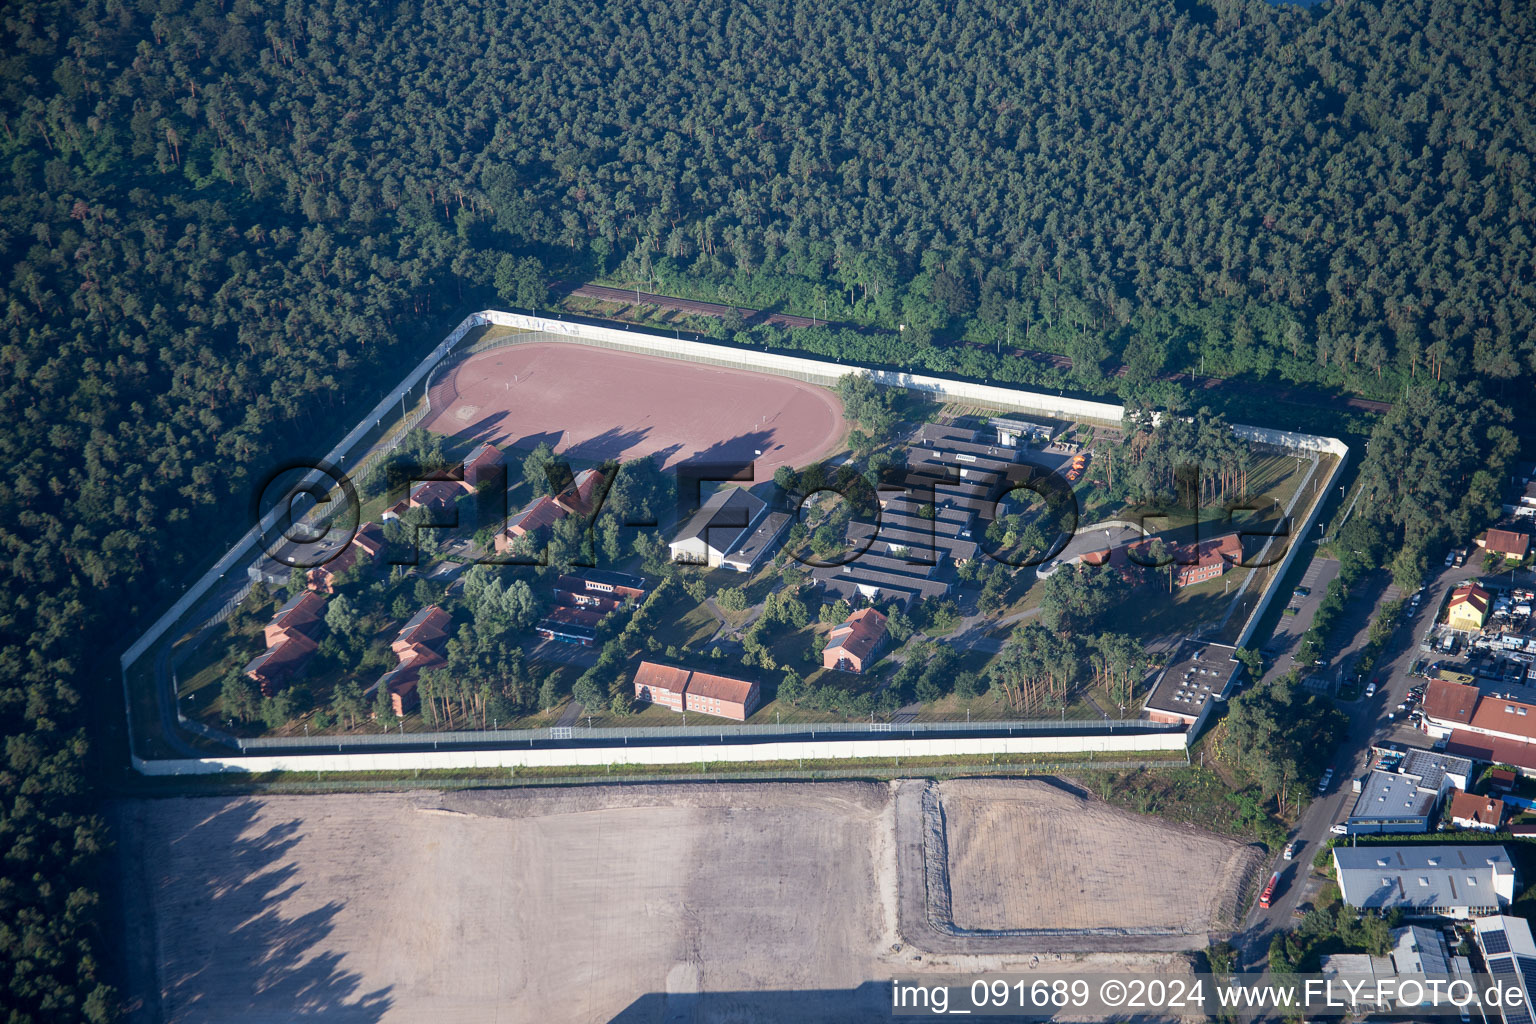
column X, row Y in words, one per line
column 592, row 403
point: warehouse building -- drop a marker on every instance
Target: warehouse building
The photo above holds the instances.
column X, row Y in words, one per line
column 717, row 528
column 1459, row 880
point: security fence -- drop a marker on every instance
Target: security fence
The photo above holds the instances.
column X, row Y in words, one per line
column 721, row 732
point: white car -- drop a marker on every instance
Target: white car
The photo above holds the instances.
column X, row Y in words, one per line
column 1339, row 830
column 1370, row 689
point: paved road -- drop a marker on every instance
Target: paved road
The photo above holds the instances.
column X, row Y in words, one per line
column 1368, row 726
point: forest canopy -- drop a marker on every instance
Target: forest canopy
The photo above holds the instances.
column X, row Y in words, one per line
column 227, row 224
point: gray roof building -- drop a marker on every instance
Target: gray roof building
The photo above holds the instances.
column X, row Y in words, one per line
column 717, row 527
column 1453, row 880
column 1390, row 802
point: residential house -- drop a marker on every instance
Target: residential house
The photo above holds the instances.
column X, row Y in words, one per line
column 1512, row 544
column 418, row 646
column 853, row 643
column 279, row 665
column 299, row 614
column 1470, row 811
column 579, row 499
column 290, row 643
column 483, row 466
column 1468, row 609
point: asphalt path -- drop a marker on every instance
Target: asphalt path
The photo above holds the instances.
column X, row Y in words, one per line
column 1368, row 726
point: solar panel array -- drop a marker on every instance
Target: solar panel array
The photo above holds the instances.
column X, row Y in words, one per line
column 1528, row 971
column 1501, row 965
column 1495, row 942
column 1516, row 1015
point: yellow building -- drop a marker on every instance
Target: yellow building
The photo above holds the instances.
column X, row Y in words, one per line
column 1468, row 609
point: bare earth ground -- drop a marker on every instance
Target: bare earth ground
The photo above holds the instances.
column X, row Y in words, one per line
column 593, row 403
column 686, row 902
column 1032, row 854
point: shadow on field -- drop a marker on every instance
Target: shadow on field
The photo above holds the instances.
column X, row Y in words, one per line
column 249, row 958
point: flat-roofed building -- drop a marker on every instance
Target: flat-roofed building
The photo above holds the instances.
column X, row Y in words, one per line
column 1458, row 880
column 1390, row 802
column 1197, row 675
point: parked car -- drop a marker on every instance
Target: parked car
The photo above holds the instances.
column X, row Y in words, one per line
column 1450, row 558
column 1290, row 849
column 1301, row 592
column 1324, row 782
column 1339, row 830
column 1370, row 690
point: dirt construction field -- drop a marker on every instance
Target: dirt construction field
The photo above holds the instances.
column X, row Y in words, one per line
column 1034, row 855
column 593, row 403
column 656, row 903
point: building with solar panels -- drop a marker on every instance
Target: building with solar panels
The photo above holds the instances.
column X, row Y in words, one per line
column 1460, row 881
column 1510, row 954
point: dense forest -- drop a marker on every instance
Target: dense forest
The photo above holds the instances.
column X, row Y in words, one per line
column 226, row 223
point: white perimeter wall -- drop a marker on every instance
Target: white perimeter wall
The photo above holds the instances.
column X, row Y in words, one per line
column 818, row 370
column 683, row 753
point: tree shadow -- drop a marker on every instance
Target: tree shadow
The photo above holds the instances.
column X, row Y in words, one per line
column 225, row 949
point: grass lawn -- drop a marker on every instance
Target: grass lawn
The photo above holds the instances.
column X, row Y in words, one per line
column 683, row 623
column 1151, row 611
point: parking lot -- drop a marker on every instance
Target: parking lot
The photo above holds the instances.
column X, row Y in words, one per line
column 1282, row 646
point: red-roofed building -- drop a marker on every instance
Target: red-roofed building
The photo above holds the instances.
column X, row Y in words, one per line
column 419, row 646
column 424, row 628
column 1449, row 705
column 370, row 540
column 580, row 498
column 720, row 696
column 300, row 614
column 661, row 684
column 1207, row 560
column 853, row 643
column 483, row 464
column 1514, row 546
column 277, row 666
column 1483, row 813
column 1468, row 608
column 322, row 578
column 703, row 692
